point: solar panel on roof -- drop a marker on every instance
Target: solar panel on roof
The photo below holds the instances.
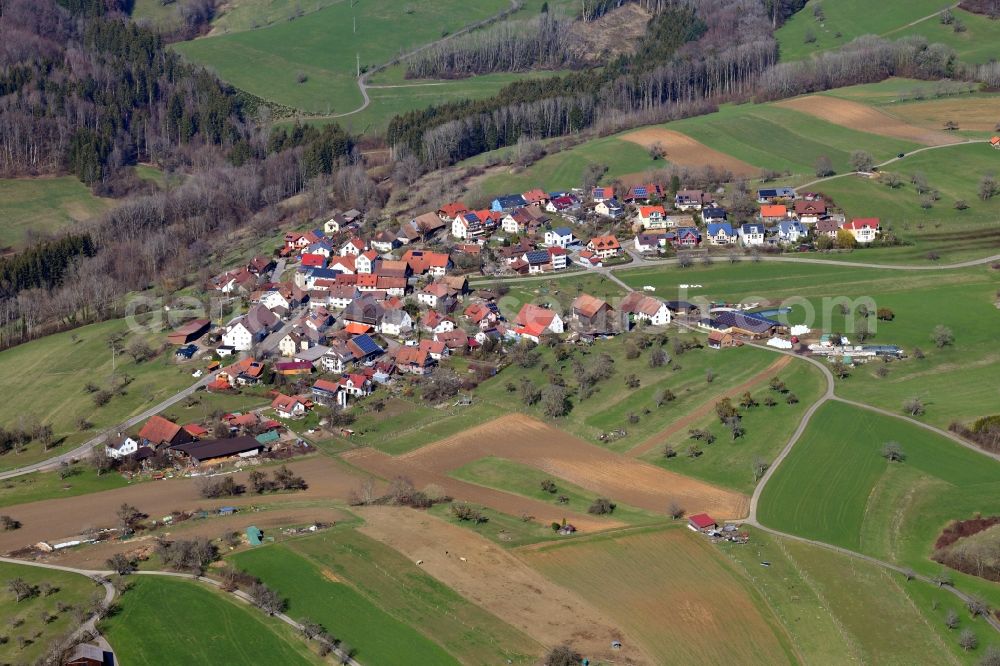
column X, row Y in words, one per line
column 640, row 191
column 367, row 345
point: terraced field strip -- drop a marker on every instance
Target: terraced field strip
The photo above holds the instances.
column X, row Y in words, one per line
column 530, row 442
column 864, row 118
column 706, row 408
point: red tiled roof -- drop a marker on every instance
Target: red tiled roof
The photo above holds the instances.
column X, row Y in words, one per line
column 701, row 520
column 159, row 430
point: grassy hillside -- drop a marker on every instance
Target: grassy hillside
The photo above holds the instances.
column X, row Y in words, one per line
column 21, row 619
column 846, row 19
column 322, row 47
column 178, row 622
column 837, row 488
column 53, row 373
column 43, row 205
column 840, row 609
column 976, row 44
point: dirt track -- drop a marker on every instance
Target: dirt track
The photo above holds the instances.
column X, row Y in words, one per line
column 864, row 118
column 530, row 442
column 498, row 581
column 60, row 518
column 685, row 151
column 706, row 408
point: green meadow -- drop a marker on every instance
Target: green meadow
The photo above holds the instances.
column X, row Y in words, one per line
column 836, row 487
column 351, row 585
column 839, row 609
column 844, row 20
column 54, row 372
column 178, row 622
column 47, row 485
column 44, row 205
column 324, row 47
column 976, row 44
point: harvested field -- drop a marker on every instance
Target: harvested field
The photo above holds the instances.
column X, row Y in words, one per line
column 668, row 586
column 498, row 581
column 693, row 417
column 980, row 114
column 685, row 151
column 863, row 118
column 59, row 518
column 530, row 442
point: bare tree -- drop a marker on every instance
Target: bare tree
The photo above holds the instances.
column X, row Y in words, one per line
column 968, row 640
column 862, row 160
column 267, row 599
column 913, row 406
column 21, row 589
column 942, row 336
column 893, row 452
column 128, row 518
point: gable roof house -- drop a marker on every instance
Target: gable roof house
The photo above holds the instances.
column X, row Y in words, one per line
column 751, row 233
column 827, row 227
column 713, row 214
column 384, row 241
column 791, row 231
column 534, row 321
column 213, row 449
column 435, row 264
column 770, row 195
column 771, row 213
column 396, row 322
column 643, row 193
column 651, row 217
column 507, row 203
column 422, row 227
column 685, row 237
column 605, row 246
column 484, row 314
column 414, row 360
column 288, row 406
column 536, row 196
column 450, row 211
column 691, row 199
column 721, row 233
column 593, row 314
column 650, row 241
column 610, row 208
column 810, row 212
column 559, row 237
column 864, row 229
column 646, row 308
column 601, row 193
column 158, row 431
column 562, row 203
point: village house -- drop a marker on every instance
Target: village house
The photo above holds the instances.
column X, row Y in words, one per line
column 720, row 340
column 713, row 214
column 364, row 263
column 650, row 241
column 643, row 193
column 455, row 341
column 536, row 197
column 751, row 234
column 483, row 314
column 563, row 203
column 721, row 233
column 534, row 321
column 645, row 308
column 324, row 392
column 701, row 522
column 354, row 246
column 158, row 431
column 601, row 194
column 189, row 332
column 384, row 241
column 610, row 208
column 430, row 294
column 864, row 229
column 120, row 446
column 435, row 264
column 791, row 231
column 396, row 323
column 414, row 360
column 771, row 195
column 810, row 212
column 288, row 406
column 691, row 200
column 684, row 237
column 773, row 213
column 507, row 203
column 560, row 237
column 827, row 227
column 250, row 329
column 434, row 322
column 651, row 217
column 604, row 247
column 450, row 211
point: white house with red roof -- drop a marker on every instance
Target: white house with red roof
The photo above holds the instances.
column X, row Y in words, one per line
column 700, row 522
column 864, row 229
column 354, row 246
column 365, row 262
column 534, row 321
column 288, row 406
column 651, row 217
column 605, row 247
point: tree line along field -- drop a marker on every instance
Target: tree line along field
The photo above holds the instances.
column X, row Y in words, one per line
column 20, row 619
column 838, row 608
column 53, row 374
column 180, row 622
column 836, row 487
column 844, row 20
column 954, row 382
column 43, row 205
column 322, row 48
column 381, row 603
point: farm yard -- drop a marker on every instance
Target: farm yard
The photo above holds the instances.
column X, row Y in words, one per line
column 157, row 614
column 669, row 585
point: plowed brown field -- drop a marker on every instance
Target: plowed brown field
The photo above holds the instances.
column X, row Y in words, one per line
column 685, row 151
column 500, row 582
column 864, row 118
column 530, row 442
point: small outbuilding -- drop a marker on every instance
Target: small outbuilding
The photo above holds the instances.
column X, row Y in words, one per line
column 255, row 536
column 701, row 522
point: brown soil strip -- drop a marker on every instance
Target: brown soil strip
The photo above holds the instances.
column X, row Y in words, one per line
column 685, row 151
column 500, row 582
column 707, row 408
column 864, row 118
